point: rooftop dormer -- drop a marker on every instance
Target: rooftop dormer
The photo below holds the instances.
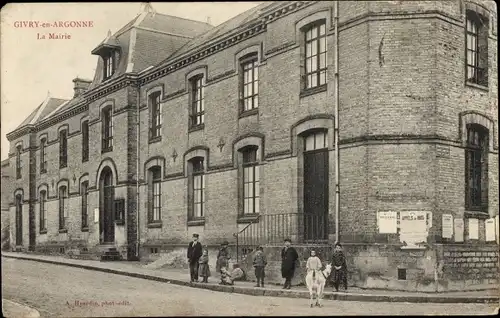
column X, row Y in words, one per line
column 109, row 51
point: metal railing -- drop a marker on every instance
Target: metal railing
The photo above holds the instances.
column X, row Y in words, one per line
column 272, row 229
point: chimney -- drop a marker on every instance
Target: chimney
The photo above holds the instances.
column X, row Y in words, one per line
column 81, row 85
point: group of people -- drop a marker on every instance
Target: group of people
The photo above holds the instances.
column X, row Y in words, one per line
column 198, row 264
column 197, row 256
column 289, row 257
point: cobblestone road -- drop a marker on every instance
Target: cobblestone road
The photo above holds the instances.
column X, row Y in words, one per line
column 65, row 291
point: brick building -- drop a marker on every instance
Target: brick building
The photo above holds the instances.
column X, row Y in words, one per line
column 231, row 129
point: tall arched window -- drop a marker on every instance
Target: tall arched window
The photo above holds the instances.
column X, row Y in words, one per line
column 251, row 181
column 197, row 188
column 84, row 192
column 197, row 109
column 43, row 163
column 63, row 149
column 315, row 54
column 249, row 87
column 476, row 165
column 155, row 121
column 107, row 129
column 18, row 161
column 85, row 141
column 43, row 212
column 63, row 211
column 154, row 194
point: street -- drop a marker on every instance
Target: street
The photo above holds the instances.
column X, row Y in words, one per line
column 65, row 291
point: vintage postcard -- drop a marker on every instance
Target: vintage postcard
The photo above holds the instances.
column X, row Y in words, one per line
column 249, row 158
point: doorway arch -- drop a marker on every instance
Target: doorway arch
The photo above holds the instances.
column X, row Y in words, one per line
column 106, row 207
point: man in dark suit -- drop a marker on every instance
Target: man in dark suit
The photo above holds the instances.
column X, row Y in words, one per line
column 194, row 253
column 289, row 258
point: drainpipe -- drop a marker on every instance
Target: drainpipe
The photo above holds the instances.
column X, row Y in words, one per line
column 336, row 119
column 137, row 171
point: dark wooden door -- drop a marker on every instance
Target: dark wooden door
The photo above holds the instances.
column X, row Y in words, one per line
column 316, row 195
column 19, row 220
column 106, row 209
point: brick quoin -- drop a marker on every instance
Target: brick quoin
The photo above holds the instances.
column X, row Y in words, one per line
column 403, row 100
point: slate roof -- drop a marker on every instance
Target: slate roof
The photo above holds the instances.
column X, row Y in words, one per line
column 44, row 109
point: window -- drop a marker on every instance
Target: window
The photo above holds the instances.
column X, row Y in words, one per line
column 63, row 213
column 251, row 189
column 43, row 163
column 107, row 129
column 315, row 55
column 18, row 162
column 85, row 141
column 109, row 65
column 476, row 162
column 63, row 149
column 43, row 211
column 477, row 48
column 154, row 195
column 156, row 118
column 84, row 192
column 249, row 98
column 197, row 102
column 197, row 188
column 119, row 211
column 316, row 140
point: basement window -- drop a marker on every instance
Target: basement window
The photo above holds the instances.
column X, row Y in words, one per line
column 154, row 250
column 401, row 273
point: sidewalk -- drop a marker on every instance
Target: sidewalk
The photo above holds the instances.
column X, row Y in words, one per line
column 181, row 277
column 13, row 309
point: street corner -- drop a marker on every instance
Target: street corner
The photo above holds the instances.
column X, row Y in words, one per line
column 13, row 309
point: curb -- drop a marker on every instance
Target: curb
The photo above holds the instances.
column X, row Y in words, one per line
column 27, row 311
column 279, row 292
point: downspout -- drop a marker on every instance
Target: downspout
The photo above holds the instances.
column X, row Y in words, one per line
column 137, row 243
column 336, row 117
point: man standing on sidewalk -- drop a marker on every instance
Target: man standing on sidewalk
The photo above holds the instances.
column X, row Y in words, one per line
column 289, row 257
column 194, row 253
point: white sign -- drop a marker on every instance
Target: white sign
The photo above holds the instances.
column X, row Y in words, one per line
column 96, row 215
column 459, row 230
column 413, row 227
column 447, row 226
column 489, row 227
column 473, row 229
column 387, row 222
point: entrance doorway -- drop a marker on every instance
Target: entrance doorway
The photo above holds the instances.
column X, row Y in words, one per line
column 106, row 199
column 316, row 186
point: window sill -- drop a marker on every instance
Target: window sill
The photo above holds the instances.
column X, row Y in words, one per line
column 155, row 225
column 63, row 166
column 107, row 150
column 478, row 86
column 85, row 160
column 250, row 112
column 197, row 127
column 85, row 229
column 196, row 222
column 120, row 222
column 312, row 91
column 247, row 218
column 152, row 140
column 477, row 214
column 43, row 171
column 63, row 230
column 44, row 231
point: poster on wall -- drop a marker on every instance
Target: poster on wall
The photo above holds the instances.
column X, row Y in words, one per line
column 473, row 229
column 387, row 222
column 413, row 227
column 459, row 230
column 447, row 226
column 96, row 215
column 489, row 227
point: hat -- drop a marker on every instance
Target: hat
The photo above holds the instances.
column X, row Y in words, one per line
column 288, row 240
column 260, row 247
column 338, row 244
column 225, row 243
column 195, row 235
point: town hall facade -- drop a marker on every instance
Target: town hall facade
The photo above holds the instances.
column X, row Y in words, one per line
column 233, row 132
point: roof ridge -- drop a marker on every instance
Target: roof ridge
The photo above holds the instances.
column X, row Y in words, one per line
column 191, row 20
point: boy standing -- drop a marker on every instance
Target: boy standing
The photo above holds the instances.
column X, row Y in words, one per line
column 259, row 262
column 339, row 267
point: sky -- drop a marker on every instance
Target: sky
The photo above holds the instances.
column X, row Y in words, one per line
column 32, row 68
